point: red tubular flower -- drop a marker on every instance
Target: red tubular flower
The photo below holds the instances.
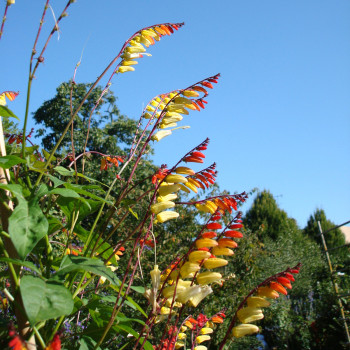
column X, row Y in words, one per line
column 209, row 234
column 207, row 84
column 233, row 234
column 217, row 319
column 55, row 344
column 285, row 282
column 278, row 288
column 235, row 226
column 213, row 226
column 193, row 159
column 289, row 276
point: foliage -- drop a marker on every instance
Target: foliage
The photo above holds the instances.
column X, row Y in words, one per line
column 266, row 219
column 76, row 246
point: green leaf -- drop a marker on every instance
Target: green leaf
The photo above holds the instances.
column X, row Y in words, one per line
column 133, row 213
column 147, row 345
column 27, row 226
column 80, row 190
column 16, row 190
column 56, row 181
column 47, row 155
column 6, row 112
column 44, row 300
column 63, row 171
column 65, row 192
column 28, row 264
column 76, row 263
column 70, row 205
column 9, row 161
column 87, row 343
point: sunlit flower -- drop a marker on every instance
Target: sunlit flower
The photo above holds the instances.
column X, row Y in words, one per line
column 267, row 292
column 257, row 302
column 198, row 255
column 208, row 277
column 201, row 338
column 204, row 292
column 158, row 207
column 244, row 329
column 188, row 269
column 184, row 170
column 11, row 95
column 181, row 336
column 222, row 251
column 213, row 263
column 206, row 330
column 206, row 242
column 278, row 288
column 226, row 242
column 188, row 293
column 249, row 314
column 175, row 178
column 160, row 135
column 200, row 347
column 167, row 215
column 179, row 344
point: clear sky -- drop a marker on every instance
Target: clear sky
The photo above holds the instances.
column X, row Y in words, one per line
column 279, row 117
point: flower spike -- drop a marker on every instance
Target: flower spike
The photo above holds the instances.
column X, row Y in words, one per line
column 134, row 49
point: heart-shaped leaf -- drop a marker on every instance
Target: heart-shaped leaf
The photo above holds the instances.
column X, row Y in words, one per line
column 44, row 300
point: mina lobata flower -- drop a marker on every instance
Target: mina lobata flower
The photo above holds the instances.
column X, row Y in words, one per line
column 208, row 277
column 244, row 329
column 161, row 206
column 249, row 314
column 213, row 263
column 204, row 291
column 257, row 302
column 167, row 215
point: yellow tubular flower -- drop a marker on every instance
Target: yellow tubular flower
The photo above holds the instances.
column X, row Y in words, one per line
column 188, row 269
column 208, row 277
column 222, row 251
column 148, row 32
column 267, row 292
column 135, row 49
column 189, row 293
column 128, row 63
column 192, row 187
column 166, row 189
column 250, row 314
column 164, row 311
column 198, row 255
column 169, row 197
column 191, row 106
column 169, row 120
column 183, row 329
column 202, row 338
column 155, row 277
column 257, row 302
column 206, row 243
column 179, row 344
column 213, row 263
column 195, row 300
column 167, row 215
column 194, row 182
column 181, row 336
column 175, row 178
column 184, row 188
column 168, row 292
column 211, row 207
column 244, row 329
column 182, row 100
column 206, row 330
column 123, row 69
column 184, row 170
column 190, row 93
column 177, row 108
column 202, row 207
column 200, row 347
column 158, row 207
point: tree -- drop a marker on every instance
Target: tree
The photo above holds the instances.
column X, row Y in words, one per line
column 334, row 238
column 266, row 218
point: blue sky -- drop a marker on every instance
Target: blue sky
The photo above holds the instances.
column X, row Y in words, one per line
column 277, row 120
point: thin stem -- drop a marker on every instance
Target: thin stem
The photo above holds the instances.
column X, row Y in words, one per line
column 240, row 306
column 4, row 20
